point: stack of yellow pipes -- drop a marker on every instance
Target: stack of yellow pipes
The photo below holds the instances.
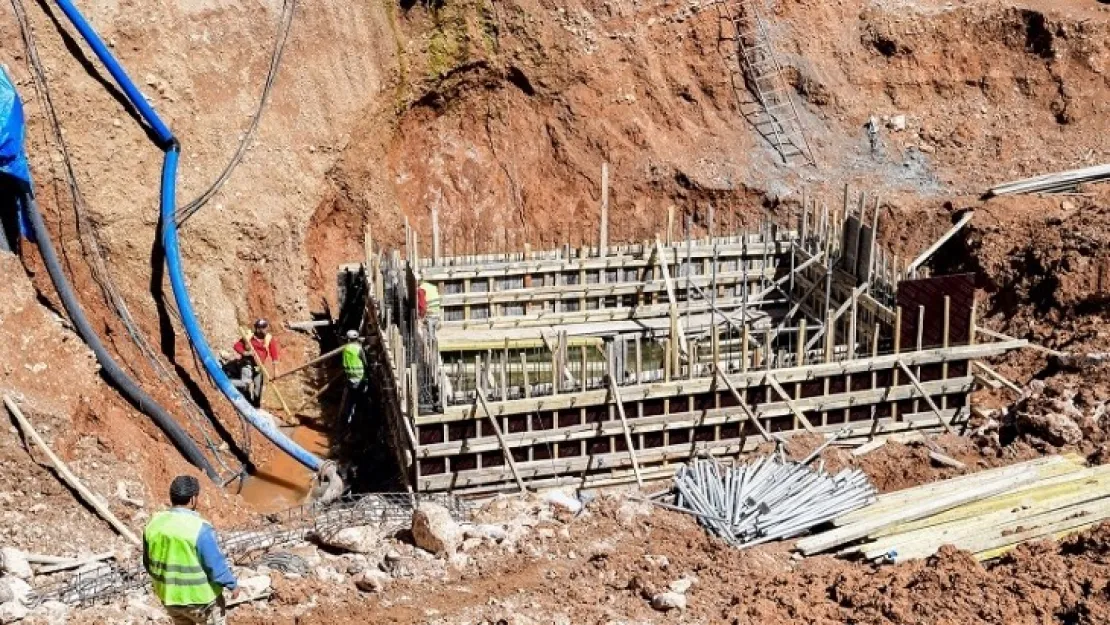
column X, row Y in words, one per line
column 986, row 513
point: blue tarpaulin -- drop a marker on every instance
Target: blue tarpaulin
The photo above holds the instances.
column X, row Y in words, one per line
column 13, row 162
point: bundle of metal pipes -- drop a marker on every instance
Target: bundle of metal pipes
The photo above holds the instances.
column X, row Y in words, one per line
column 769, row 499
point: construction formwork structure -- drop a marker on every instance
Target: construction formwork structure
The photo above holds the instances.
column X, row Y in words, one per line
column 598, row 366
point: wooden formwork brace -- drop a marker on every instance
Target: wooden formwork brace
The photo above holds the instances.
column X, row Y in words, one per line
column 743, row 404
column 789, row 402
column 624, row 424
column 998, row 376
column 501, row 440
column 929, row 400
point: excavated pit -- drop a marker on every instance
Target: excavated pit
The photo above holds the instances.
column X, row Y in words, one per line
column 499, row 115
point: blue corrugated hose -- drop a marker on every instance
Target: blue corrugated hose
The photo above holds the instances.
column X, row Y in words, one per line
column 262, row 421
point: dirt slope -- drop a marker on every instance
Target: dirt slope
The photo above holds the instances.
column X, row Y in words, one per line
column 499, row 113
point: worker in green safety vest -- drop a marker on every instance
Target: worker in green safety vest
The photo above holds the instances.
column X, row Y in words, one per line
column 187, row 569
column 354, row 368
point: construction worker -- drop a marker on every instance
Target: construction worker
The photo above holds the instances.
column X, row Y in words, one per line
column 187, row 569
column 354, row 367
column 266, row 350
column 428, row 301
column 240, row 370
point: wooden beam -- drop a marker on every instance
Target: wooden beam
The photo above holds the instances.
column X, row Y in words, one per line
column 436, row 250
column 456, row 268
column 501, row 440
column 676, row 330
column 317, row 393
column 659, row 390
column 998, row 376
column 743, row 404
column 624, row 423
column 1034, row 346
column 67, row 475
column 603, row 239
column 611, row 462
column 789, row 402
column 932, row 249
column 929, row 400
column 827, row 540
column 577, row 291
column 314, row 361
column 839, row 312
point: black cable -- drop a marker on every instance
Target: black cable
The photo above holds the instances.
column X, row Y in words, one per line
column 288, row 8
column 109, row 366
column 95, row 256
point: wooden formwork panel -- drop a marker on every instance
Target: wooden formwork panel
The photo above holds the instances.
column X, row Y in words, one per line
column 925, row 297
column 471, row 451
column 611, row 464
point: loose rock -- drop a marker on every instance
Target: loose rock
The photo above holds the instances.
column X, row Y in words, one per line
column 494, row 533
column 682, row 584
column 11, row 612
column 560, row 499
column 13, row 561
column 19, row 590
column 667, row 601
column 360, row 539
column 1054, row 428
column 372, row 581
column 255, row 587
column 434, row 530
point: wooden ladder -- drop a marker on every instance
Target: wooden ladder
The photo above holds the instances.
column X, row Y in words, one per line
column 775, row 117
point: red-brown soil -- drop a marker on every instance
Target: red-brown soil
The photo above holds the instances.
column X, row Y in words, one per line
column 499, row 115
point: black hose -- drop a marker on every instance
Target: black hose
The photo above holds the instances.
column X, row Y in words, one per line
column 137, row 396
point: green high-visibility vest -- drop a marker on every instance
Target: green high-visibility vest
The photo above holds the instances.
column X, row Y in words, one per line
column 352, row 362
column 173, row 561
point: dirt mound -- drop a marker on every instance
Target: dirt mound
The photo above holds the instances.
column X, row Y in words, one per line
column 604, row 566
column 54, row 378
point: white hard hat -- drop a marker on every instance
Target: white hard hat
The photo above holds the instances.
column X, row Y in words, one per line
column 352, row 334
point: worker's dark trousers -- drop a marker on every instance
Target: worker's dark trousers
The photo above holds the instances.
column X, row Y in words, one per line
column 352, row 398
column 256, row 395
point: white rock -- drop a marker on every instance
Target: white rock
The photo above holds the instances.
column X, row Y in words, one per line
column 143, row 612
column 682, row 584
column 18, row 589
column 434, row 530
column 460, row 560
column 561, row 499
column 6, row 593
column 496, row 533
column 328, row 574
column 256, row 586
column 372, row 581
column 897, row 122
column 630, row 510
column 358, row 539
column 667, row 601
column 11, row 612
column 53, row 612
column 13, row 561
